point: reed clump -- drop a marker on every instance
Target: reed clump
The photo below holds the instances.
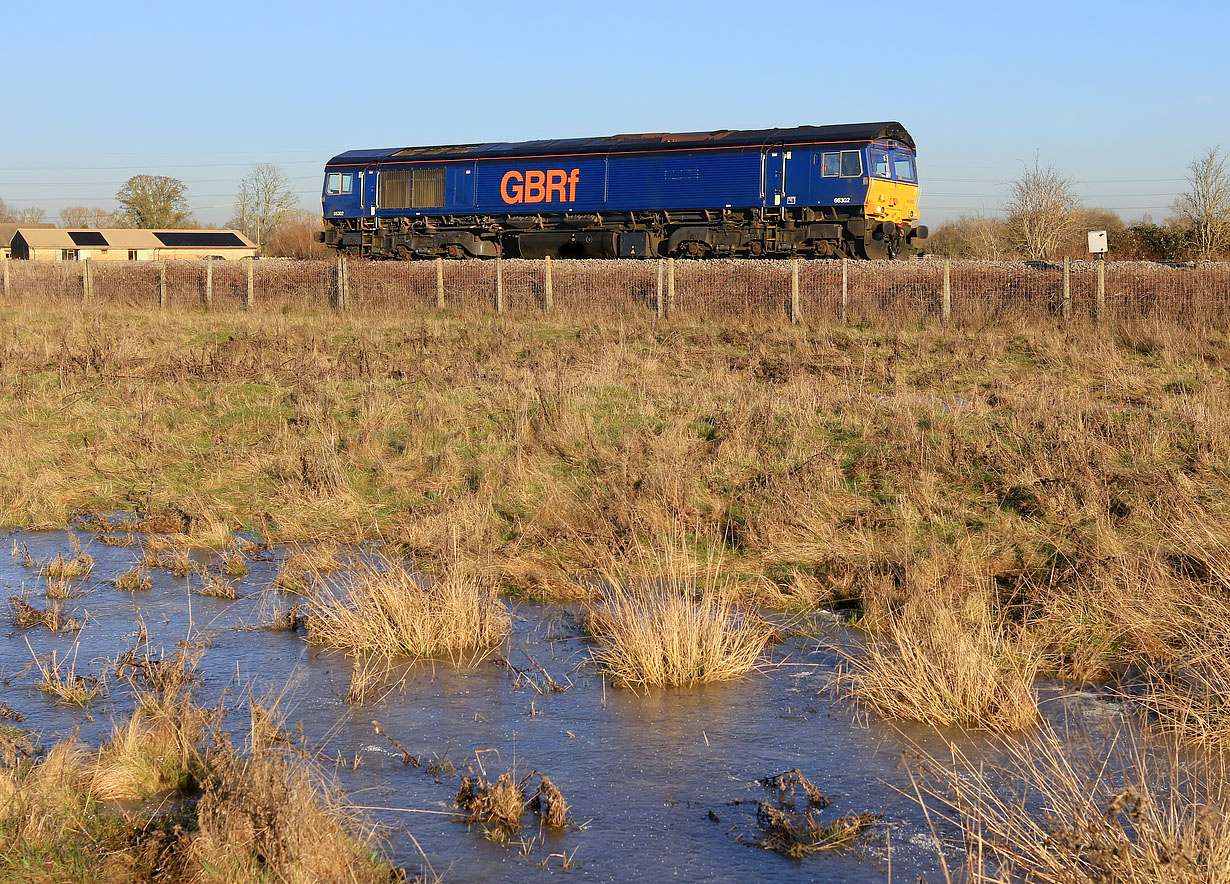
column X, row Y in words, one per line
column 676, row 630
column 946, row 667
column 378, row 606
column 1136, row 810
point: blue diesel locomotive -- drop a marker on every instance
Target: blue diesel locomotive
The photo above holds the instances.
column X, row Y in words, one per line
column 812, row 191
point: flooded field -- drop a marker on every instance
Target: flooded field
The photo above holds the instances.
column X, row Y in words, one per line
column 662, row 785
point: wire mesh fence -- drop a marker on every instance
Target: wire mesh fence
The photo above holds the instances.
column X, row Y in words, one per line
column 971, row 292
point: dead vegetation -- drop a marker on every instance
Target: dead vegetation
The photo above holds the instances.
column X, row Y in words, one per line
column 676, row 630
column 1070, row 477
column 798, row 832
column 378, row 606
column 499, row 807
column 27, row 616
column 169, row 798
column 1136, row 810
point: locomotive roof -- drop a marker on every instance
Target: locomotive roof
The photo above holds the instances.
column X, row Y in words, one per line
column 847, row 132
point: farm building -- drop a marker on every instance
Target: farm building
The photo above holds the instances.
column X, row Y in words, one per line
column 58, row 244
column 6, row 235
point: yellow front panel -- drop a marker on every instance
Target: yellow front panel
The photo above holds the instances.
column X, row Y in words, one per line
column 892, row 201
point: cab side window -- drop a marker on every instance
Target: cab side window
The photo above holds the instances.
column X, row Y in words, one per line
column 851, row 164
column 903, row 166
column 830, row 165
column 879, row 164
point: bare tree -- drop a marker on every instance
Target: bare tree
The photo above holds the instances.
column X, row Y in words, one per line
column 154, row 202
column 30, row 215
column 1206, row 207
column 264, row 203
column 1041, row 211
column 88, row 216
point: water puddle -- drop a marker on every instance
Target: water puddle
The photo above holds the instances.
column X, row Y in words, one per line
column 661, row 785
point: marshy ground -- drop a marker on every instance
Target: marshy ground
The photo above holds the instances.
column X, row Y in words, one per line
column 1018, row 525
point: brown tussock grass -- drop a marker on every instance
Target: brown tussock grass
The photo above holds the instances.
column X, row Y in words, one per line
column 945, row 667
column 378, row 606
column 676, row 629
column 1135, row 811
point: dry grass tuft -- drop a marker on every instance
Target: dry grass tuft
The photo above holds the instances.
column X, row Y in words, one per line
column 499, row 807
column 63, row 569
column 1188, row 693
column 379, row 607
column 133, row 580
column 268, row 814
column 676, row 631
column 1136, row 811
column 946, row 668
column 306, row 564
column 25, row 616
column 64, row 682
column 216, row 587
column 174, row 559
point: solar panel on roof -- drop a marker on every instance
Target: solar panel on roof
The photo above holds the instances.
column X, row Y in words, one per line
column 87, row 238
column 203, row 239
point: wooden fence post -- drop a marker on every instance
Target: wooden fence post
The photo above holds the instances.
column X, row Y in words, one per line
column 794, row 290
column 87, row 280
column 845, row 290
column 1067, row 291
column 345, row 282
column 670, row 285
column 946, row 301
column 660, row 303
column 1099, row 307
column 209, row 284
column 162, row 285
column 5, row 262
column 249, row 300
column 549, row 291
column 439, row 283
column 499, row 283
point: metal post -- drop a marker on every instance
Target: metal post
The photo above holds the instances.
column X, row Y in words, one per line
column 794, row 290
column 87, row 280
column 209, row 284
column 946, row 303
column 250, row 299
column 162, row 285
column 670, row 285
column 499, row 284
column 550, row 289
column 1099, row 306
column 5, row 262
column 660, row 304
column 439, row 283
column 845, row 290
column 1067, row 291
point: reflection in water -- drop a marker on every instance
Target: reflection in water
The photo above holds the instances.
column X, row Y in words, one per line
column 662, row 784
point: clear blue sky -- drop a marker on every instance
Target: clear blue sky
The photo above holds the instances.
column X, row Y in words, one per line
column 1118, row 96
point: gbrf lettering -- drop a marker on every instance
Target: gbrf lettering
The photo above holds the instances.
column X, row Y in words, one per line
column 537, row 186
